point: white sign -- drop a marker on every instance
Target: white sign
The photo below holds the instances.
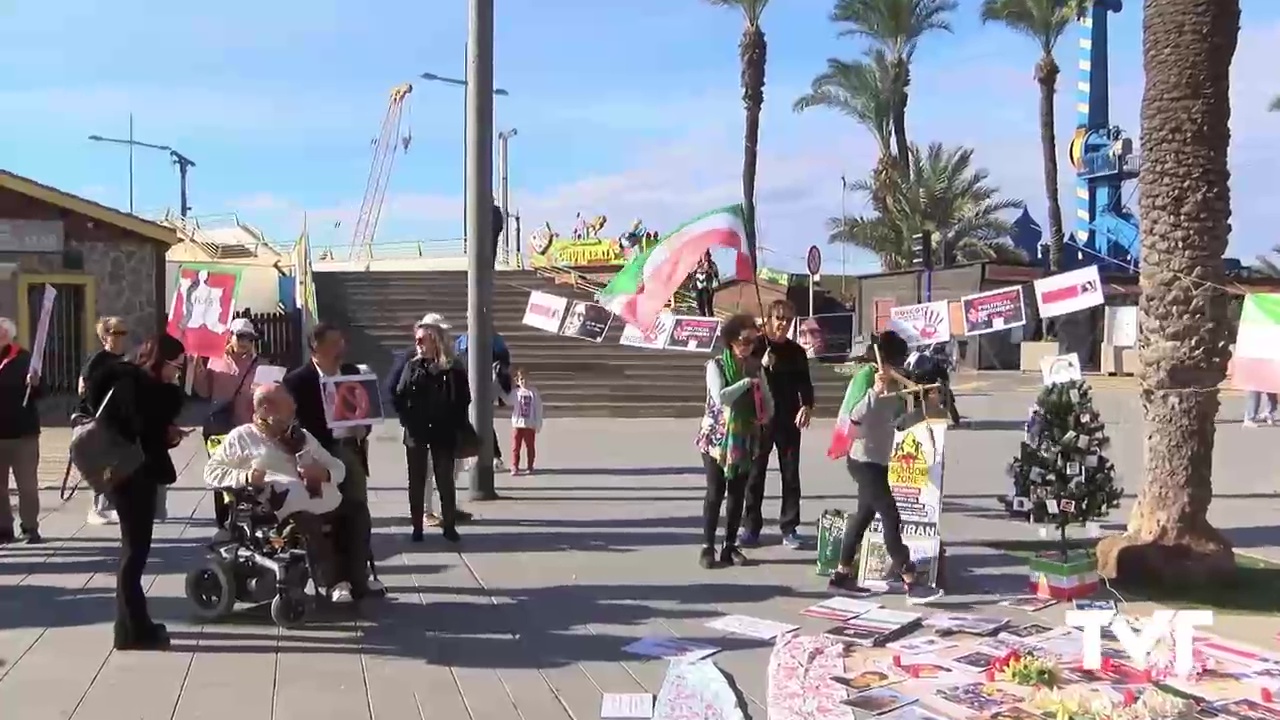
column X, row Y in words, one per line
column 1060, row 368
column 1069, row 292
column 1180, row 625
column 274, row 374
column 655, row 339
column 42, row 329
column 545, row 311
column 1121, row 326
column 626, row 705
column 922, row 324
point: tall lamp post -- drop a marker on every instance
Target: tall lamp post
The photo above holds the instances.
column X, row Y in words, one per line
column 183, row 162
column 844, row 227
column 504, row 196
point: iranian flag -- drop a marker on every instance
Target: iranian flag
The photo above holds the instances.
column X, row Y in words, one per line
column 642, row 288
column 1256, row 362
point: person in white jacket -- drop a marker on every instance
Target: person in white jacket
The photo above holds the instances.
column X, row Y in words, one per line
column 293, row 475
column 526, row 421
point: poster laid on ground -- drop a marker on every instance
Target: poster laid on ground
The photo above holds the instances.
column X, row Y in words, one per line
column 588, row 321
column 922, row 324
column 202, row 307
column 545, row 311
column 351, row 400
column 915, row 479
column 993, row 310
column 1255, row 365
column 655, row 338
column 1069, row 292
column 694, row 334
column 1060, row 368
column 824, row 336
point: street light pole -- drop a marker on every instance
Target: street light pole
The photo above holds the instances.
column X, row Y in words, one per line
column 183, row 162
column 844, row 229
column 479, row 186
column 131, row 144
column 504, row 196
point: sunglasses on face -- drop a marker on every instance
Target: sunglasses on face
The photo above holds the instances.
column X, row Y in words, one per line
column 246, row 336
column 118, row 333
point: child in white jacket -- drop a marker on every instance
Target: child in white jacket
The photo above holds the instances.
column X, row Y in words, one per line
column 526, row 420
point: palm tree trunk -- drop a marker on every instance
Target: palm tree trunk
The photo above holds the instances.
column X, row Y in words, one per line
column 1185, row 202
column 753, row 51
column 1047, row 76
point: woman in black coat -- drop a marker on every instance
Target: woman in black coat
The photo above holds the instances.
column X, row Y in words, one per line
column 140, row 401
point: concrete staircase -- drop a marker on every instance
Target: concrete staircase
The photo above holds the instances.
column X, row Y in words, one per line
column 576, row 378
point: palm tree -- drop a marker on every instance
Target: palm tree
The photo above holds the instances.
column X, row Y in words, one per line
column 1185, row 204
column 1044, row 21
column 862, row 91
column 752, row 53
column 1268, row 267
column 1275, row 104
column 895, row 27
column 941, row 193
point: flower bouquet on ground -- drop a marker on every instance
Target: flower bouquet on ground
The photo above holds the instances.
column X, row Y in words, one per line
column 1151, row 704
column 1022, row 667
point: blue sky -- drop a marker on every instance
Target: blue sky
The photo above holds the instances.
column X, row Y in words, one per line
column 624, row 109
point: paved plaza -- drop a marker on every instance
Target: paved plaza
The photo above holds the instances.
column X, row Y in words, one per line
column 526, row 617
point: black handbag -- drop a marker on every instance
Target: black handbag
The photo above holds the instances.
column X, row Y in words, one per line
column 102, row 457
column 221, row 419
column 468, row 445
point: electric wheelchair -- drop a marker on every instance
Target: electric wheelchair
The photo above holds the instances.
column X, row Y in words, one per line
column 264, row 559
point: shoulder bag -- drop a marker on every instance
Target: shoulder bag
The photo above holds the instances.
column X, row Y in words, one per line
column 468, row 440
column 221, row 419
column 101, row 456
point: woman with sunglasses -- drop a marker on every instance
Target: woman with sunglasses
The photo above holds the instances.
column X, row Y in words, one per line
column 114, row 336
column 140, row 401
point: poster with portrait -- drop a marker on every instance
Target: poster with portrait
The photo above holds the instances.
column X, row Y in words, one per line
column 202, row 307
column 693, row 334
column 915, row 480
column 825, row 336
column 1060, row 368
column 655, row 338
column 587, row 321
column 922, row 324
column 993, row 310
column 545, row 311
column 351, row 400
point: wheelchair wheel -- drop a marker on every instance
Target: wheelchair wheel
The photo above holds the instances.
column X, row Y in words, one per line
column 288, row 612
column 211, row 591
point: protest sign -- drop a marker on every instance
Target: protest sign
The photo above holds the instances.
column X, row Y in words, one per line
column 1069, row 292
column 922, row 324
column 351, row 400
column 993, row 310
column 915, row 479
column 1060, row 368
column 655, row 338
column 588, row 321
column 694, row 334
column 201, row 309
column 545, row 311
column 825, row 335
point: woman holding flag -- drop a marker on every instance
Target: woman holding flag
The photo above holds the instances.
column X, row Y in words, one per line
column 739, row 405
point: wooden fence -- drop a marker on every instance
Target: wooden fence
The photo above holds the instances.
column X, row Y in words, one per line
column 280, row 340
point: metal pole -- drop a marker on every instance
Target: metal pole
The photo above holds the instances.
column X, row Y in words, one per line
column 183, row 207
column 479, row 188
column 844, row 228
column 504, row 197
column 811, row 284
column 466, row 135
column 130, row 163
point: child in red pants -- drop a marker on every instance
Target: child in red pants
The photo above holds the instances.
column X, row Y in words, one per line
column 526, row 420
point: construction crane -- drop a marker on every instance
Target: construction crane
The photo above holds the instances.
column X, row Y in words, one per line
column 385, row 147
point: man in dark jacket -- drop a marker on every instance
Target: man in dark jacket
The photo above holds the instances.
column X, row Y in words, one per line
column 20, row 387
column 787, row 370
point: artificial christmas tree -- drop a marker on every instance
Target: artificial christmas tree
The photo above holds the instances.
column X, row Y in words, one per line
column 1061, row 477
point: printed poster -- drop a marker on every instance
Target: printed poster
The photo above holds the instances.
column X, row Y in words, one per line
column 202, row 307
column 694, row 334
column 993, row 310
column 42, row 329
column 1120, row 328
column 696, row 691
column 915, row 479
column 545, row 311
column 1069, row 292
column 588, row 321
column 351, row 400
column 825, row 335
column 1060, row 368
column 922, row 324
column 654, row 338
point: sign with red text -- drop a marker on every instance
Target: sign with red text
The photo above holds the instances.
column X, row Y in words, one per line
column 922, row 324
column 545, row 311
column 1069, row 292
column 993, row 310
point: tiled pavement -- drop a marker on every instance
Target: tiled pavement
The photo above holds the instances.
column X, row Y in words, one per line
column 526, row 618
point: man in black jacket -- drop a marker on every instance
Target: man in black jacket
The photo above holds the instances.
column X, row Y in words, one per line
column 20, row 387
column 787, row 370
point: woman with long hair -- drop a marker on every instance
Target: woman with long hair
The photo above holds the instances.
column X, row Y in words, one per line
column 113, row 333
column 225, row 382
column 431, row 398
column 140, row 402
column 739, row 405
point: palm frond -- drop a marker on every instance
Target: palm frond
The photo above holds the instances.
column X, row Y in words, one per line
column 860, row 90
column 1275, row 104
column 895, row 25
column 752, row 10
column 1043, row 21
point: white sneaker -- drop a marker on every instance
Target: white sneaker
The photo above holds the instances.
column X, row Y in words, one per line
column 341, row 593
column 1250, row 423
column 498, row 465
column 102, row 517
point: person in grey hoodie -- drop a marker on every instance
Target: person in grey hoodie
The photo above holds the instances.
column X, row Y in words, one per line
column 874, row 419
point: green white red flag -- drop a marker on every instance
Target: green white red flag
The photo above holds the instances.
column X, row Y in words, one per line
column 1255, row 365
column 642, row 288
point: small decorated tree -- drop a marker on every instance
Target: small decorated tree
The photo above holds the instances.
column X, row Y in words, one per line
column 1060, row 475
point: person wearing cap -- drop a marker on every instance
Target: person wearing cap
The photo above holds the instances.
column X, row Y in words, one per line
column 390, row 384
column 226, row 383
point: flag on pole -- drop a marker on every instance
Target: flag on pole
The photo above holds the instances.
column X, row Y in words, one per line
column 644, row 285
column 1255, row 364
column 843, row 435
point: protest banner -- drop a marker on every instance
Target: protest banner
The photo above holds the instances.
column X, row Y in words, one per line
column 1069, row 292
column 545, row 311
column 825, row 336
column 201, row 309
column 351, row 400
column 42, row 336
column 655, row 338
column 587, row 321
column 993, row 310
column 915, row 479
column 922, row 324
column 693, row 334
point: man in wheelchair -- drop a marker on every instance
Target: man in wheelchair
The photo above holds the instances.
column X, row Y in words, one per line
column 294, row 482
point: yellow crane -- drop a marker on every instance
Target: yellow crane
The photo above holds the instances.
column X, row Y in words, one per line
column 384, row 158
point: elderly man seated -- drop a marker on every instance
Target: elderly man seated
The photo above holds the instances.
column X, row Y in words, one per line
column 298, row 479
